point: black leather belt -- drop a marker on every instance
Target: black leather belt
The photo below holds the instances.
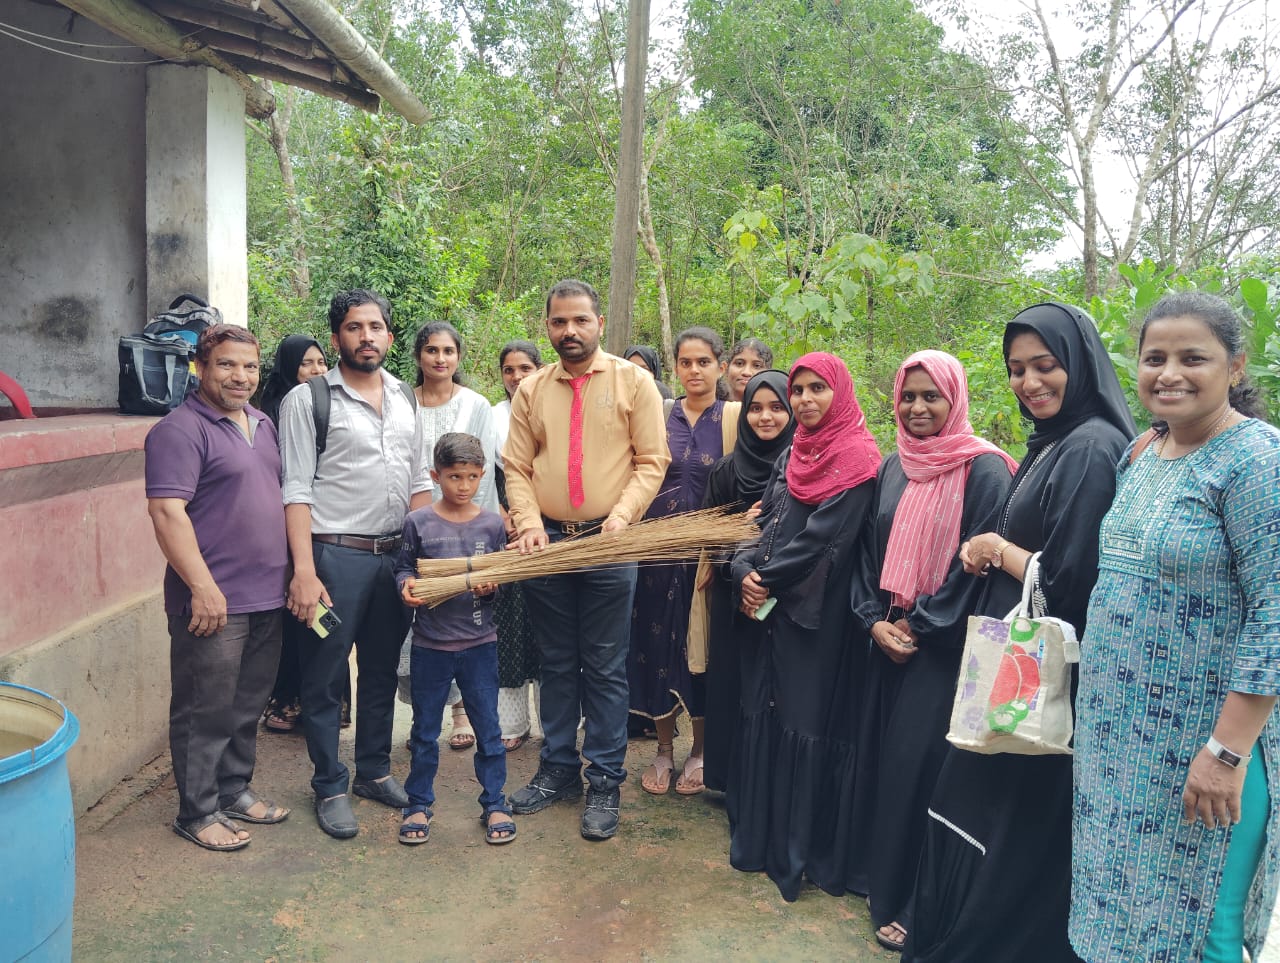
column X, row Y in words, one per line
column 572, row 528
column 378, row 544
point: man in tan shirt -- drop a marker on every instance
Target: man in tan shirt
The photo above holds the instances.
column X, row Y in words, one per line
column 587, row 451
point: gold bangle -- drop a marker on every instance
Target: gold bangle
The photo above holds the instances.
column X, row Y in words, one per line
column 997, row 557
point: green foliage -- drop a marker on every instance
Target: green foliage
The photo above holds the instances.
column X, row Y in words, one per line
column 855, row 277
column 1262, row 310
column 824, row 175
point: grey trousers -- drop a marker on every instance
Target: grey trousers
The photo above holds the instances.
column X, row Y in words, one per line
column 220, row 687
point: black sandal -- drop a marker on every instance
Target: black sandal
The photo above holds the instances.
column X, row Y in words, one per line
column 191, row 828
column 239, row 808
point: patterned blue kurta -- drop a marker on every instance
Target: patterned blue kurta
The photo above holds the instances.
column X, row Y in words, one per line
column 1186, row 608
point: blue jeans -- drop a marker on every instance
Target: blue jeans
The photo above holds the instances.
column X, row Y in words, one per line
column 430, row 673
column 363, row 589
column 582, row 624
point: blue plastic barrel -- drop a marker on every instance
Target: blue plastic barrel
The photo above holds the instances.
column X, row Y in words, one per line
column 37, row 826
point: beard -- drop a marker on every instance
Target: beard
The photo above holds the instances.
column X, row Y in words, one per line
column 350, row 360
column 575, row 350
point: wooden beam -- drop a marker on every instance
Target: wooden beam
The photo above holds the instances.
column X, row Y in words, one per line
column 258, row 15
column 131, row 20
column 355, row 96
column 319, row 69
column 282, row 16
column 254, row 30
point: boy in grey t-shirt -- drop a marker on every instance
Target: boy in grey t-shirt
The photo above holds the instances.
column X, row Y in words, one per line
column 454, row 640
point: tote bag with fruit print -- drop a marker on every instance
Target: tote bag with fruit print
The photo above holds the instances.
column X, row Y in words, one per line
column 1014, row 689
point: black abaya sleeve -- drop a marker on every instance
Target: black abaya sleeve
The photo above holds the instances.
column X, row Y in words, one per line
column 867, row 601
column 940, row 619
column 744, row 562
column 720, row 485
column 721, row 491
column 1076, row 495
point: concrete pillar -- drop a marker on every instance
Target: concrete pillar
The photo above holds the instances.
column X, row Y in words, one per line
column 196, row 189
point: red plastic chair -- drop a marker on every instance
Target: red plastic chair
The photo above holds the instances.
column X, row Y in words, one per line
column 17, row 397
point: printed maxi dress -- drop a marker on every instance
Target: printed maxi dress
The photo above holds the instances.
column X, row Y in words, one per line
column 658, row 664
column 1186, row 608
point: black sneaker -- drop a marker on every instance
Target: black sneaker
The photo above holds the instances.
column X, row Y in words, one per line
column 600, row 816
column 546, row 786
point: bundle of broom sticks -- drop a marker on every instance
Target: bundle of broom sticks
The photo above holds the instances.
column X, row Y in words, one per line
column 672, row 539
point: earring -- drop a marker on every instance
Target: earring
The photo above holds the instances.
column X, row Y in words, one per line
column 1235, row 382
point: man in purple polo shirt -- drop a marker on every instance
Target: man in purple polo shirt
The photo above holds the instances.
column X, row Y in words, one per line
column 213, row 494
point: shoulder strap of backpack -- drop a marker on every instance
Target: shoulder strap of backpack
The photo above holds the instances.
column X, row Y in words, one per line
column 667, row 405
column 321, row 402
column 320, row 405
column 407, row 391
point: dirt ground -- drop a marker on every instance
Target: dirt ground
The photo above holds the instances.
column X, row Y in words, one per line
column 661, row 890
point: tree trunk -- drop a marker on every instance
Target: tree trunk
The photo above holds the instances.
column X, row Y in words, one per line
column 622, row 272
column 650, row 239
column 278, row 127
column 1089, row 253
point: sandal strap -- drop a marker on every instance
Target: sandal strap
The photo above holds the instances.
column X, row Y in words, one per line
column 200, row 823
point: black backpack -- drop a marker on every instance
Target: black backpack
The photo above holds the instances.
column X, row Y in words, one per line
column 157, row 367
column 321, row 402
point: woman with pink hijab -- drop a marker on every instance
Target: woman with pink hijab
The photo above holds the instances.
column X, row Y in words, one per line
column 790, row 780
column 911, row 596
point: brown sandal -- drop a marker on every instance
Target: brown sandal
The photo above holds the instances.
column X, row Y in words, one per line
column 462, row 736
column 663, row 765
column 691, row 765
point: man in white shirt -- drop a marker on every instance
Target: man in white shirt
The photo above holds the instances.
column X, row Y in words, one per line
column 344, row 511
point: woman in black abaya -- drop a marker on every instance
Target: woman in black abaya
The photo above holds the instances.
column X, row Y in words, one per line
column 792, row 770
column 912, row 597
column 765, row 427
column 995, row 876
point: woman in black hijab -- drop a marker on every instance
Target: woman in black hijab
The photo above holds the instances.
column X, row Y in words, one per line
column 765, row 427
column 995, row 877
column 298, row 358
column 650, row 362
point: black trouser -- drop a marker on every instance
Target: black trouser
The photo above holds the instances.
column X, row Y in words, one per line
column 362, row 587
column 220, row 685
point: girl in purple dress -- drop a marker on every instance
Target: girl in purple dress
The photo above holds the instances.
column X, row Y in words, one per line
column 657, row 666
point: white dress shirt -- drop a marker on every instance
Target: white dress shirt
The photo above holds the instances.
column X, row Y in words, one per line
column 372, row 463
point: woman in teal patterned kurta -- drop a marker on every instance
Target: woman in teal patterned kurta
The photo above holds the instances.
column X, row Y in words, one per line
column 1183, row 644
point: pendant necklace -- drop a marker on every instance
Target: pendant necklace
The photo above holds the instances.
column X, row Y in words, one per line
column 1218, row 427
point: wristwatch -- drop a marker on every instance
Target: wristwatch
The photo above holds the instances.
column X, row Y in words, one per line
column 997, row 557
column 1225, row 755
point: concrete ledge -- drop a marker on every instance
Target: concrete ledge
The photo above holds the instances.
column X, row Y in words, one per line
column 112, row 671
column 41, row 441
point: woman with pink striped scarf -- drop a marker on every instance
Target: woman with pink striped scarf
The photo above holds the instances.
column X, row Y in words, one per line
column 912, row 596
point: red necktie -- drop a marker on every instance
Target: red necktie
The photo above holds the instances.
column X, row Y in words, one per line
column 576, row 495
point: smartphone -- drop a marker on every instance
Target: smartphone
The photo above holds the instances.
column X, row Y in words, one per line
column 765, row 608
column 326, row 620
